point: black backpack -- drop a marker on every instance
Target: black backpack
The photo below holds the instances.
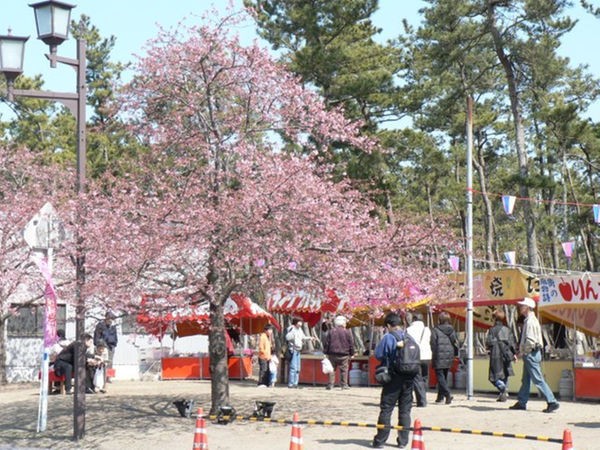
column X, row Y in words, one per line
column 408, row 357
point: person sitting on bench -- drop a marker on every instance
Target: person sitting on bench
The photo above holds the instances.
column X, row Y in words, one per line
column 65, row 362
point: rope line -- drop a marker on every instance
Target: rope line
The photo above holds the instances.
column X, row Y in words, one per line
column 226, row 419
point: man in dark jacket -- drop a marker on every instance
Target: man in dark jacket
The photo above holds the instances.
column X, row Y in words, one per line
column 398, row 391
column 65, row 362
column 502, row 349
column 106, row 333
column 444, row 347
column 339, row 347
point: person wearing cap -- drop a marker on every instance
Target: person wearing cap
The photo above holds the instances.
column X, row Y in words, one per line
column 338, row 345
column 106, row 333
column 530, row 350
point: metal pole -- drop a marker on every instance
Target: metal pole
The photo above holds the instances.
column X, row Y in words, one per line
column 43, row 407
column 469, row 236
column 79, row 401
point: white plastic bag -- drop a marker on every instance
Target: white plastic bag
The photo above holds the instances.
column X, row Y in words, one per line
column 99, row 378
column 273, row 364
column 326, row 366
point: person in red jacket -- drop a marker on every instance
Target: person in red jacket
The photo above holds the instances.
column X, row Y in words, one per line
column 339, row 348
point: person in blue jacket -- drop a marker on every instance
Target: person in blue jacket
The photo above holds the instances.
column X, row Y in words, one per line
column 398, row 390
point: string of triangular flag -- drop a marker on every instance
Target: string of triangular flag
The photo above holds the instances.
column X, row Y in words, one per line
column 508, row 202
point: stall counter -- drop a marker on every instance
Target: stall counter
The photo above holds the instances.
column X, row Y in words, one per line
column 311, row 372
column 587, row 383
column 198, row 368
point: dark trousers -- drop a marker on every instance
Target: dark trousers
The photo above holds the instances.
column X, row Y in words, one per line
column 396, row 392
column 420, row 384
column 442, row 383
column 341, row 361
column 64, row 368
column 264, row 374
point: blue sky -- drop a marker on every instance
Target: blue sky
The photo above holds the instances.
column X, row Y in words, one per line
column 133, row 22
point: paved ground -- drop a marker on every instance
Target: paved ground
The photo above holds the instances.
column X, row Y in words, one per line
column 140, row 415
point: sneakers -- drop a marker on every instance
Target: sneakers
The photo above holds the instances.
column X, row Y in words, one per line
column 519, row 407
column 551, row 407
column 89, row 391
column 345, row 388
column 502, row 397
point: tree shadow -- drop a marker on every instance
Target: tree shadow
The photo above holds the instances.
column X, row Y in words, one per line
column 107, row 418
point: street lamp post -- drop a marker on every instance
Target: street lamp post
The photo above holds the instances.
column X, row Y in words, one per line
column 52, row 21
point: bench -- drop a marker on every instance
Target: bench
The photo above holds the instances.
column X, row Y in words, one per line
column 53, row 378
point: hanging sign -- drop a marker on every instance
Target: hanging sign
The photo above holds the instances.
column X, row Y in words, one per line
column 573, row 300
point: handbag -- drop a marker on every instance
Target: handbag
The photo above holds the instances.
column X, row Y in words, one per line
column 382, row 374
column 99, row 378
column 326, row 366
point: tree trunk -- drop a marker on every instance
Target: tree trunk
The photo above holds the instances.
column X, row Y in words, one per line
column 515, row 106
column 217, row 350
column 479, row 163
column 3, row 378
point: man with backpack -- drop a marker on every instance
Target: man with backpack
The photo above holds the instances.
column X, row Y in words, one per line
column 400, row 353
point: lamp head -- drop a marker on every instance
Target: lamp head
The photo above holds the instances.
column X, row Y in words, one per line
column 52, row 20
column 12, row 54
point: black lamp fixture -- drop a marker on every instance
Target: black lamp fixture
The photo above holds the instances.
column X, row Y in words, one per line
column 52, row 19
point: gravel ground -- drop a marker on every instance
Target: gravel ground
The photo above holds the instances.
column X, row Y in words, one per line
column 140, row 415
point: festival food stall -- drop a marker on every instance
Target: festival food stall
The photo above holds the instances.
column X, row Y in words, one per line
column 311, row 309
column 574, row 301
column 240, row 312
column 492, row 289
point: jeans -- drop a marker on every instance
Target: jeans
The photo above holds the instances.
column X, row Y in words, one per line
column 396, row 392
column 532, row 372
column 501, row 385
column 294, row 369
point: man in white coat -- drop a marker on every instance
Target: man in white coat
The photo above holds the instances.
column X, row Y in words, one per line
column 422, row 335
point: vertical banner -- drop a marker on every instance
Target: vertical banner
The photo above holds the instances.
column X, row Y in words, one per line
column 597, row 213
column 50, row 336
column 508, row 201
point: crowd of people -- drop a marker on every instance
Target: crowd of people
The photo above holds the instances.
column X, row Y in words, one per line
column 438, row 348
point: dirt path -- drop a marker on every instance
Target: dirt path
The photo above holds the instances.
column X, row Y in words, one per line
column 140, row 415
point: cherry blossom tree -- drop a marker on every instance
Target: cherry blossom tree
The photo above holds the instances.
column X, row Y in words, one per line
column 26, row 184
column 232, row 194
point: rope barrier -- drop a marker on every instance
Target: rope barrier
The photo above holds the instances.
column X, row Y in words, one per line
column 227, row 419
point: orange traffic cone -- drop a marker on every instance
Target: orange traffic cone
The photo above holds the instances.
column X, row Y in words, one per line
column 200, row 437
column 417, row 443
column 296, row 440
column 567, row 440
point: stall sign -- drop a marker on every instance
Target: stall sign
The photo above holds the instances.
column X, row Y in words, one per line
column 573, row 300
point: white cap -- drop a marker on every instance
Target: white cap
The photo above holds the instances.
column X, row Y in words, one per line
column 527, row 302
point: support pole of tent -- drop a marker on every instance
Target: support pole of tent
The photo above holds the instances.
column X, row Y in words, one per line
column 469, row 236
